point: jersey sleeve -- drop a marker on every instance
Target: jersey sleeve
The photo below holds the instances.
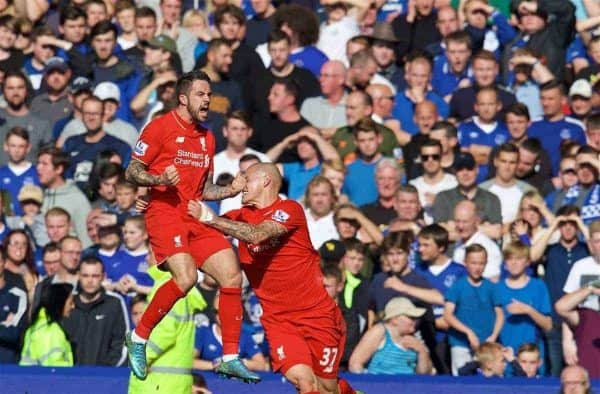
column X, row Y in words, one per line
column 452, row 293
column 149, row 143
column 289, row 214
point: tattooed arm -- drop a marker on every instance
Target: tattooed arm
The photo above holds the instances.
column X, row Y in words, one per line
column 213, row 192
column 137, row 174
column 250, row 233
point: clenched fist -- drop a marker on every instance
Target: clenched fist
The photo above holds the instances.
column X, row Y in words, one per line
column 170, row 176
column 200, row 211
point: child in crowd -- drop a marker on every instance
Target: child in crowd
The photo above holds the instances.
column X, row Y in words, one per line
column 133, row 268
column 138, row 305
column 491, row 362
column 125, row 17
column 30, row 199
column 529, row 359
column 471, row 310
column 525, row 302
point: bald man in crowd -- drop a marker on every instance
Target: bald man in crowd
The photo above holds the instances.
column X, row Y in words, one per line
column 328, row 111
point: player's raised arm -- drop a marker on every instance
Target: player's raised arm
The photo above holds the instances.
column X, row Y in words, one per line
column 137, row 173
column 214, row 192
column 250, row 233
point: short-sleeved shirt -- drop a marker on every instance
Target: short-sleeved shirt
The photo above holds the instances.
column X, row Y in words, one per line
column 210, row 345
column 488, row 205
column 170, row 140
column 441, row 280
column 284, row 272
column 474, row 307
column 583, row 272
column 298, row 177
column 520, row 329
column 359, row 184
column 473, row 132
column 552, row 134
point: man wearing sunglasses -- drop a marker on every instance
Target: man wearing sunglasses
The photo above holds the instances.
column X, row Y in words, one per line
column 434, row 179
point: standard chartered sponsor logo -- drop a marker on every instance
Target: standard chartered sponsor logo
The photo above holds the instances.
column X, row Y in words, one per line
column 192, row 159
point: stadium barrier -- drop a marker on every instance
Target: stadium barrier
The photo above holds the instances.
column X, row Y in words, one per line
column 101, row 380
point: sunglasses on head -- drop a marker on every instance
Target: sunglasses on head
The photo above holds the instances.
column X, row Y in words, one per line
column 435, row 157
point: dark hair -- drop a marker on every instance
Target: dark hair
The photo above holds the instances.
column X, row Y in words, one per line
column 290, row 86
column 19, row 132
column 451, row 131
column 586, row 149
column 567, row 210
column 9, row 22
column 277, row 35
column 91, row 260
column 301, row 20
column 58, row 157
column 533, row 145
column 217, row 43
column 553, row 84
column 97, row 2
column 330, row 270
column 518, row 109
column 50, row 247
column 103, row 27
column 398, row 240
column 431, row 143
column 145, row 12
column 28, row 259
column 184, row 83
column 232, row 10
column 224, row 179
column 16, row 74
column 249, row 157
column 437, row 233
column 70, row 13
column 53, row 299
column 353, row 244
column 110, row 170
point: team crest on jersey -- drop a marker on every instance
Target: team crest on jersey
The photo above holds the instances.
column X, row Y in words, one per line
column 281, row 216
column 140, row 148
column 280, row 353
column 473, row 134
column 565, row 134
column 177, row 241
column 500, row 139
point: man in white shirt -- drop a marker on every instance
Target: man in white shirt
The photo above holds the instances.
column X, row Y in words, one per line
column 434, row 180
column 587, row 269
column 505, row 184
column 466, row 221
column 237, row 131
column 320, row 201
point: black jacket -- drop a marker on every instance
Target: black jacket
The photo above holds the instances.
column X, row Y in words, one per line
column 97, row 330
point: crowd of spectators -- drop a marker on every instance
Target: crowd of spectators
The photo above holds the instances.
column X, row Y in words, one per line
column 446, row 153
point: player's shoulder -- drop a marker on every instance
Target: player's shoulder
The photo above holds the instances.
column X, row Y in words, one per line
column 285, row 210
column 574, row 121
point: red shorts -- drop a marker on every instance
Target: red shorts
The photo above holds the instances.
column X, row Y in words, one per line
column 316, row 340
column 170, row 233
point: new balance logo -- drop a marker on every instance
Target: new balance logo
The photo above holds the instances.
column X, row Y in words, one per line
column 179, row 140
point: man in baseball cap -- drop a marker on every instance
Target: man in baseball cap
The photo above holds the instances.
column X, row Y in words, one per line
column 580, row 98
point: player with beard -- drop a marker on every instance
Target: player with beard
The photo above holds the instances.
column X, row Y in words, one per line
column 174, row 156
column 304, row 326
column 101, row 312
column 17, row 113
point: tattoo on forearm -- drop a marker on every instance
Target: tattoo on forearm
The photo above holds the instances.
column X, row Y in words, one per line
column 136, row 173
column 250, row 233
column 214, row 192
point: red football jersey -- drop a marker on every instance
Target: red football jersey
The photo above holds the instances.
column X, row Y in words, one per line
column 284, row 272
column 169, row 140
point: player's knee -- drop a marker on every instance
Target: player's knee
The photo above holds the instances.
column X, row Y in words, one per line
column 231, row 277
column 186, row 279
column 306, row 384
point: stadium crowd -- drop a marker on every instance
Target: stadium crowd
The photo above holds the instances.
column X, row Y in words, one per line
column 446, row 154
